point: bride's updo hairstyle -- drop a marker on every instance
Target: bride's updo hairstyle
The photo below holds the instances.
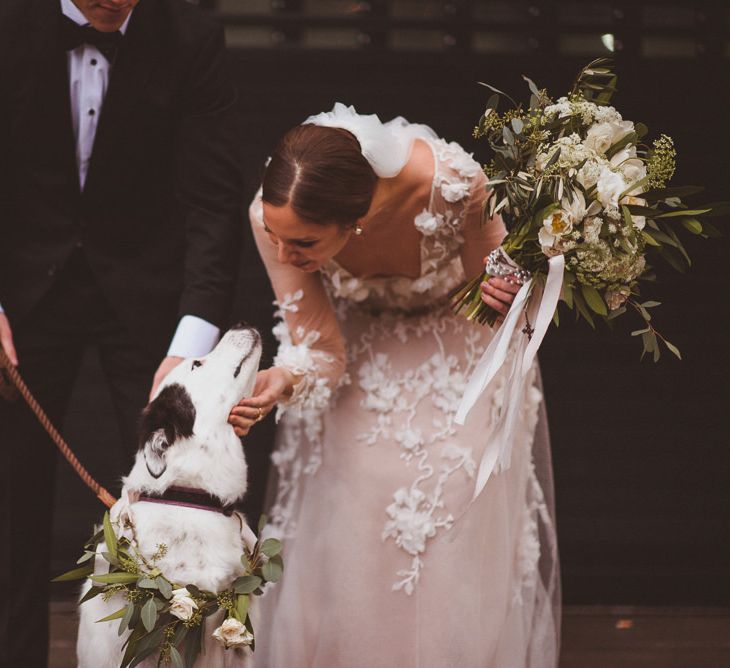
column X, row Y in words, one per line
column 321, row 173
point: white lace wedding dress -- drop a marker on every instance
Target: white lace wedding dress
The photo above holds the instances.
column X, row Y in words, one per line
column 386, row 562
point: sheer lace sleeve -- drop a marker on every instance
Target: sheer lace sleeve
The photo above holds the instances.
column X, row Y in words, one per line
column 480, row 236
column 311, row 345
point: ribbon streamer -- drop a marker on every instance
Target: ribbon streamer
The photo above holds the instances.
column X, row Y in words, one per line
column 538, row 305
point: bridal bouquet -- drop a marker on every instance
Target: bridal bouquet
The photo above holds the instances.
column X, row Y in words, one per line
column 586, row 202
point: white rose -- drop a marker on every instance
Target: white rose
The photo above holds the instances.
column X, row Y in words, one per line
column 601, row 136
column 453, row 192
column 233, row 634
column 182, row 604
column 609, row 187
column 427, row 223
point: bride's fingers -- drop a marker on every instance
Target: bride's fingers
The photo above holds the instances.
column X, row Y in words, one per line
column 497, row 305
column 501, row 295
column 512, row 286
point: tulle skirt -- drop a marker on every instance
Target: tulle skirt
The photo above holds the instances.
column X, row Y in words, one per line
column 388, row 560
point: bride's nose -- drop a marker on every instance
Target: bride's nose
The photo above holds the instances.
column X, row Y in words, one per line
column 283, row 254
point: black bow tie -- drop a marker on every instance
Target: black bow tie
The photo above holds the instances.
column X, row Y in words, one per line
column 73, row 35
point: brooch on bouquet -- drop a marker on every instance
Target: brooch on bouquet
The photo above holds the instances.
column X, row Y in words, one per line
column 586, row 202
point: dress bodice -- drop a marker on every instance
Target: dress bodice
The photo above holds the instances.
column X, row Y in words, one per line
column 456, row 180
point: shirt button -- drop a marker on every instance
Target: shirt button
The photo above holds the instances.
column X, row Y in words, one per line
column 92, row 112
column 93, row 61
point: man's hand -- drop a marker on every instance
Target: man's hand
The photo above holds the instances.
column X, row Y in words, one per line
column 271, row 385
column 168, row 364
column 6, row 339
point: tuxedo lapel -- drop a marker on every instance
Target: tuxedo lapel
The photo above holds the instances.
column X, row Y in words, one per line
column 127, row 81
column 47, row 108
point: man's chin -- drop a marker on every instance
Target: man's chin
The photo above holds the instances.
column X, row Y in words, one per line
column 108, row 20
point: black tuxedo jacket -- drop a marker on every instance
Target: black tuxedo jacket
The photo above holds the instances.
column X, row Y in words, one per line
column 160, row 217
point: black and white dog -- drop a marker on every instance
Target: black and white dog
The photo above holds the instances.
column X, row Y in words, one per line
column 189, row 470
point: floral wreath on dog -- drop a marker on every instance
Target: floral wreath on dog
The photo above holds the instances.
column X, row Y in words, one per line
column 165, row 616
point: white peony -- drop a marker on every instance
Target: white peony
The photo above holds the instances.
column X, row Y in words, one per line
column 182, row 604
column 609, row 187
column 560, row 223
column 632, row 168
column 454, row 192
column 427, row 223
column 233, row 634
column 601, row 136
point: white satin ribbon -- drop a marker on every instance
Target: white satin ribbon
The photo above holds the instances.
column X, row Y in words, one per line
column 539, row 306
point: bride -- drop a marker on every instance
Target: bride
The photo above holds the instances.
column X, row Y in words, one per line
column 365, row 229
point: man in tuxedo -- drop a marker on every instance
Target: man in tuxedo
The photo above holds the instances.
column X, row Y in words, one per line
column 120, row 221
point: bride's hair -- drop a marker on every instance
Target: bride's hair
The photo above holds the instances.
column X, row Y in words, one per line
column 321, row 173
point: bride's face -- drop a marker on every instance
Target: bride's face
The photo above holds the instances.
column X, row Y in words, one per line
column 300, row 243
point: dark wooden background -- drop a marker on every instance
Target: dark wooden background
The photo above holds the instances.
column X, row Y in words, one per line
column 641, row 454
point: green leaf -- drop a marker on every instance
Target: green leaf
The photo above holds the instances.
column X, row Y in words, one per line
column 271, row 547
column 115, row 578
column 164, row 586
column 651, row 304
column 273, row 569
column 149, row 615
column 676, row 191
column 242, row 602
column 583, row 309
column 683, row 212
column 110, row 538
column 673, row 349
column 147, row 583
column 692, row 224
column 246, row 584
column 93, row 591
column 176, row 659
column 594, row 300
column 531, row 84
column 650, row 239
column 75, row 574
column 262, row 523
column 517, row 125
column 115, row 615
column 85, row 557
column 128, row 614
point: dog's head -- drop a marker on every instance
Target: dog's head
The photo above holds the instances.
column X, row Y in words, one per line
column 183, row 433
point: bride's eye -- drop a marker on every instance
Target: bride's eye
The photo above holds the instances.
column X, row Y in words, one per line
column 305, row 244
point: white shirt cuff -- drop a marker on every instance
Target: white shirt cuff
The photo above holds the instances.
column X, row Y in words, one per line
column 194, row 337
column 2, row 310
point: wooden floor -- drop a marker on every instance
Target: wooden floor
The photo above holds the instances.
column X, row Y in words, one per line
column 593, row 637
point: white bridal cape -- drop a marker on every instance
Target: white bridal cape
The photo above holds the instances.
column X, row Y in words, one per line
column 387, row 561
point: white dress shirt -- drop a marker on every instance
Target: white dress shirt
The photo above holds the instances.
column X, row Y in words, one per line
column 88, row 75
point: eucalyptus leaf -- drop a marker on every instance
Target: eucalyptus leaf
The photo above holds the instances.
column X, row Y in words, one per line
column 93, row 591
column 246, row 584
column 673, row 349
column 146, row 583
column 692, row 224
column 164, row 586
column 149, row 615
column 271, row 547
column 272, row 569
column 683, row 212
column 126, row 619
column 242, row 603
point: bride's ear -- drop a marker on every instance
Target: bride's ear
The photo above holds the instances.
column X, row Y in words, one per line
column 168, row 418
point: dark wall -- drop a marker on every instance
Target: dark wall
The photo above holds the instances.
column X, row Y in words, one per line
column 640, row 450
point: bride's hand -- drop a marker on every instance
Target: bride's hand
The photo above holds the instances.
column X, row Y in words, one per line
column 499, row 294
column 271, row 385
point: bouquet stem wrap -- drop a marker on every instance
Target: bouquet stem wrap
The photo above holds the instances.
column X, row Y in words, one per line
column 534, row 305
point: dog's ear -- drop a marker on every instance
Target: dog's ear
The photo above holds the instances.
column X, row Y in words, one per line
column 169, row 417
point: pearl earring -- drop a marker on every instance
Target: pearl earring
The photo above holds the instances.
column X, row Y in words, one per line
column 358, row 229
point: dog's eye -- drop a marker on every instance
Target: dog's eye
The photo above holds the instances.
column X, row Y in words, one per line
column 196, row 364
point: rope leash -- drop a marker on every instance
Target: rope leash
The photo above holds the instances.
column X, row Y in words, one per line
column 11, row 373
